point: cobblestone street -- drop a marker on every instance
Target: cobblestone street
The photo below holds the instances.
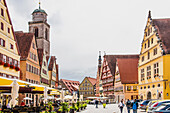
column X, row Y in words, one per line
column 110, row 108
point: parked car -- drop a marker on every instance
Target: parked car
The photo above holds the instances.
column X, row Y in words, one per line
column 143, row 104
column 157, row 104
column 151, row 104
column 163, row 108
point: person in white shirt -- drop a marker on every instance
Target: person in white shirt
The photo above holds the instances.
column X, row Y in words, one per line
column 121, row 105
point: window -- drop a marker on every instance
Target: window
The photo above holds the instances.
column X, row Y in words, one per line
column 2, row 42
column 148, row 55
column 44, row 64
column 8, row 30
column 153, row 86
column 148, row 87
column 46, row 34
column 33, row 45
column 155, row 51
column 2, row 26
column 156, row 69
column 143, row 58
column 144, row 87
column 145, row 45
column 27, row 67
column 148, row 43
column 142, row 74
column 152, row 41
column 36, row 32
column 148, row 72
column 128, row 88
column 159, row 85
column 30, row 55
column 140, row 87
column 11, row 46
column 10, row 61
column 2, row 12
column 4, row 58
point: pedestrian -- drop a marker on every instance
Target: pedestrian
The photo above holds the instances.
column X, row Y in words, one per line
column 22, row 103
column 121, row 105
column 135, row 106
column 128, row 105
column 96, row 102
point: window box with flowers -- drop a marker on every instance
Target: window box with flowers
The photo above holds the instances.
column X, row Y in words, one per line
column 1, row 62
column 128, row 88
column 12, row 66
column 156, row 75
column 6, row 65
column 17, row 68
column 134, row 88
column 142, row 79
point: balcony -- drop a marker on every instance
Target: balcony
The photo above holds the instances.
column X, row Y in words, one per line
column 111, row 89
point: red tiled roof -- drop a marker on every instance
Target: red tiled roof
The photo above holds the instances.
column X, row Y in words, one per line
column 52, row 61
column 111, row 59
column 163, row 28
column 92, row 80
column 24, row 41
column 40, row 56
column 70, row 84
column 128, row 70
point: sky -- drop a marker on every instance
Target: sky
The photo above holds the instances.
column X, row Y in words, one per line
column 82, row 28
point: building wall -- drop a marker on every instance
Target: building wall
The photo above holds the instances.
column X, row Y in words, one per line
column 9, row 39
column 86, row 88
column 153, row 83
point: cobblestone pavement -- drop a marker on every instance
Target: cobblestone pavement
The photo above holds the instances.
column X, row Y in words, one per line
column 110, row 108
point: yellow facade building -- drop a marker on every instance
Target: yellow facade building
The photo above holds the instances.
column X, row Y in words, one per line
column 154, row 62
column 87, row 87
column 9, row 54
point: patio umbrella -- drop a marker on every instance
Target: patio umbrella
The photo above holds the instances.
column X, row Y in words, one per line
column 73, row 97
column 68, row 97
column 14, row 93
column 45, row 94
column 27, row 98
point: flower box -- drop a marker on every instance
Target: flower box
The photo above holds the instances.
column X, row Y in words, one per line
column 6, row 65
column 12, row 66
column 17, row 68
column 1, row 62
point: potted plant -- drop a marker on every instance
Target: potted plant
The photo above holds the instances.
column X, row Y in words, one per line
column 64, row 108
column 104, row 105
column 78, row 106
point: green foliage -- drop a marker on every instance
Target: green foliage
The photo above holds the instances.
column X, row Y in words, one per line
column 64, row 107
column 87, row 101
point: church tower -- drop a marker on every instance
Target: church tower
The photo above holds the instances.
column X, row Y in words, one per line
column 41, row 29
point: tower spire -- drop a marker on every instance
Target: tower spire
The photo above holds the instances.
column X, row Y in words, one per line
column 100, row 59
column 149, row 14
column 39, row 4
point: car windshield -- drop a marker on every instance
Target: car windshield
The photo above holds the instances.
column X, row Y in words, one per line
column 162, row 103
column 145, row 102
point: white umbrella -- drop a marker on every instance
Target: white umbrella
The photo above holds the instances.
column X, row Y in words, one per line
column 27, row 98
column 73, row 97
column 45, row 94
column 14, row 93
column 68, row 97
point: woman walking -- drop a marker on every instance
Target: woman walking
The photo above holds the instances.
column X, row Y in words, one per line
column 121, row 105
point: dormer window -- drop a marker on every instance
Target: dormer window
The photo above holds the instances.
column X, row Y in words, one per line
column 148, row 43
column 2, row 12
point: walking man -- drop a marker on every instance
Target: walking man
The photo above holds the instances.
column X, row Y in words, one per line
column 96, row 102
column 121, row 105
column 128, row 105
column 135, row 106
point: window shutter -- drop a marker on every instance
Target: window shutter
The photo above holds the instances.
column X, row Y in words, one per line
column 0, row 41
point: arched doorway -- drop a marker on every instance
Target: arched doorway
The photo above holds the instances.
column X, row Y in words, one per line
column 149, row 95
column 159, row 95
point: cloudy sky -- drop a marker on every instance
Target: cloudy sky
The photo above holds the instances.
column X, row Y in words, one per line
column 81, row 28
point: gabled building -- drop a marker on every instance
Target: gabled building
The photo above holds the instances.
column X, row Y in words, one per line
column 108, row 73
column 52, row 71
column 126, row 79
column 87, row 87
column 154, row 73
column 30, row 68
column 9, row 52
column 44, row 77
column 70, row 86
